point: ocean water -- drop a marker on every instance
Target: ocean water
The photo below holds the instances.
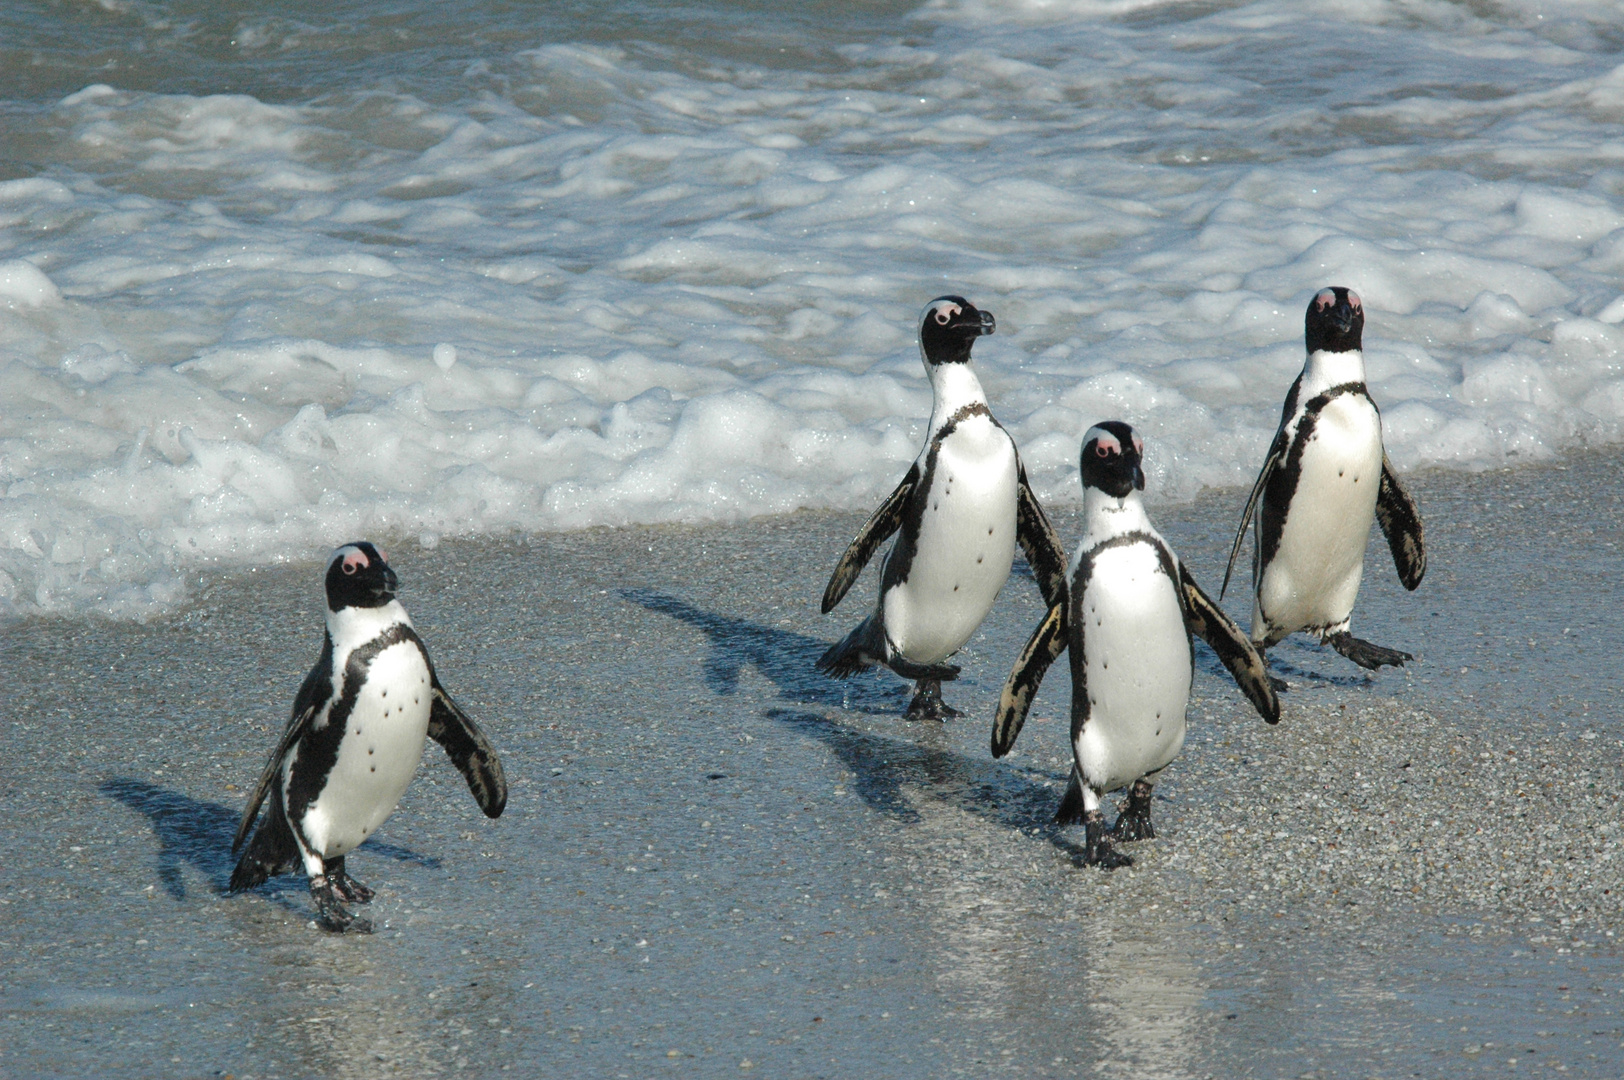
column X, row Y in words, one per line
column 273, row 279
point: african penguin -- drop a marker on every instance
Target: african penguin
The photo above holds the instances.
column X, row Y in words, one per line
column 959, row 511
column 1325, row 477
column 354, row 741
column 1127, row 616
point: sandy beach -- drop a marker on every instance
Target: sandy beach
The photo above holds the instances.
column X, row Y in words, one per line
column 717, row 863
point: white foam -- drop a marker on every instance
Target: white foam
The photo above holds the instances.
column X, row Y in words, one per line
column 582, row 284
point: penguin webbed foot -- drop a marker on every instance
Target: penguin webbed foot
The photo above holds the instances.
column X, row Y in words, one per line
column 927, row 703
column 1098, row 850
column 346, row 887
column 1366, row 654
column 1133, row 818
column 331, row 914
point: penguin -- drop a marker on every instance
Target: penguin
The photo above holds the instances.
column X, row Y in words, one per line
column 354, row 741
column 1325, row 477
column 960, row 511
column 1126, row 616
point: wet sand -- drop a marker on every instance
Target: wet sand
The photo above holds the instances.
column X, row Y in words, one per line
column 717, row 863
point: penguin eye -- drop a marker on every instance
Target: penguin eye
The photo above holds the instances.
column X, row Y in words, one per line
column 1353, row 300
column 349, row 567
column 1102, row 450
column 941, row 318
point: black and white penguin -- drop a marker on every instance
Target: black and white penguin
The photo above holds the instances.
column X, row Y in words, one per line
column 354, row 741
column 960, row 511
column 1325, row 477
column 1127, row 616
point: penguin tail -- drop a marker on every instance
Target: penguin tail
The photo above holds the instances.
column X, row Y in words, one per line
column 272, row 851
column 1072, row 810
column 857, row 651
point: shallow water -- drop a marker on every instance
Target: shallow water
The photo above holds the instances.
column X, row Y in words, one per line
column 714, row 856
column 270, row 278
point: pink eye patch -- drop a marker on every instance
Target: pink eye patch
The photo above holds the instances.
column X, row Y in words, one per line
column 1106, row 443
column 355, row 559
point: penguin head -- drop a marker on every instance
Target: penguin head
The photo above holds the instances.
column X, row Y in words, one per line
column 1336, row 321
column 359, row 576
column 1112, row 459
column 949, row 326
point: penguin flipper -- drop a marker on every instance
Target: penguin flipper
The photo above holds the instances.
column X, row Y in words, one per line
column 1401, row 524
column 297, row 725
column 1208, row 622
column 1044, row 552
column 470, row 752
column 1048, row 641
column 880, row 525
column 1277, row 454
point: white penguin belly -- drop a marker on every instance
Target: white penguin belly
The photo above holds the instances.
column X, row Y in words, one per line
column 1313, row 579
column 1138, row 663
column 966, row 545
column 379, row 754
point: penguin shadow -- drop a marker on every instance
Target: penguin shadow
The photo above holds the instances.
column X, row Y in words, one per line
column 198, row 834
column 1290, row 666
column 1207, row 662
column 1008, row 797
column 786, row 659
column 992, row 790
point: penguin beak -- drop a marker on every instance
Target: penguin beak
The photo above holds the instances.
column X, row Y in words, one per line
column 390, row 581
column 1138, row 477
column 1342, row 317
column 974, row 323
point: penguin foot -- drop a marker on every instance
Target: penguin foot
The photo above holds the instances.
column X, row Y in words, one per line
column 927, row 703
column 1365, row 654
column 331, row 914
column 1280, row 685
column 1099, row 851
column 347, row 888
column 1133, row 818
column 351, row 890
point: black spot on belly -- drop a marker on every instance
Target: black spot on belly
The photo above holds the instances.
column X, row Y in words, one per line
column 978, row 559
column 955, row 588
column 989, row 532
column 374, row 768
column 385, row 694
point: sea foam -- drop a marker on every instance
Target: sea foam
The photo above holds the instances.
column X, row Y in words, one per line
column 575, row 283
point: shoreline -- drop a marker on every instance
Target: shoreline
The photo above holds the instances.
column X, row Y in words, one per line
column 708, row 844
